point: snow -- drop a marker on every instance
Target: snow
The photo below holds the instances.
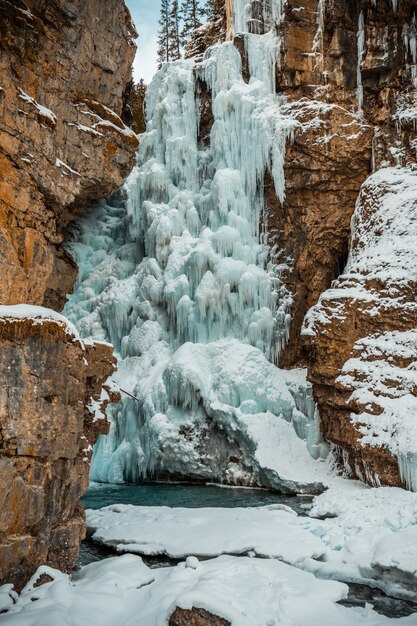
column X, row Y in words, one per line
column 85, row 129
column 37, row 315
column 117, row 123
column 44, row 111
column 268, row 531
column 384, row 241
column 59, row 163
column 124, row 130
column 245, row 591
column 353, row 533
column 383, row 377
column 370, row 539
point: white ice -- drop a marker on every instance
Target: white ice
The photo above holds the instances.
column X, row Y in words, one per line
column 270, row 531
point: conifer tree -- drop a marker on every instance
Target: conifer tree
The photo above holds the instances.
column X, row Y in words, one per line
column 163, row 34
column 174, row 44
column 136, row 104
column 192, row 15
column 211, row 9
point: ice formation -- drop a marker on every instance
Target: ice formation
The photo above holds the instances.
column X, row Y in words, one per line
column 270, row 532
column 179, row 279
column 361, row 51
column 410, row 47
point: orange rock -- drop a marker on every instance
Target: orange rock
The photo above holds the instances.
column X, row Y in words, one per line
column 46, row 433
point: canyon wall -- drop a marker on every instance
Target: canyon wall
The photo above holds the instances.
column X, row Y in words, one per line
column 347, row 71
column 65, row 71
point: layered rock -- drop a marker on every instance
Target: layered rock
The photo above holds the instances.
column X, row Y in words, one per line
column 343, row 69
column 362, row 337
column 64, row 73
column 51, row 412
column 347, row 71
column 65, row 70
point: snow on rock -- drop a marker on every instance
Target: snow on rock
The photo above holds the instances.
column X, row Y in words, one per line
column 244, row 591
column 362, row 334
column 42, row 110
column 37, row 315
column 369, row 534
column 381, row 265
column 268, row 531
column 383, row 381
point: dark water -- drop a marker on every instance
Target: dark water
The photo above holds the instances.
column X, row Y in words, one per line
column 359, row 595
column 189, row 496
column 196, row 496
column 176, row 495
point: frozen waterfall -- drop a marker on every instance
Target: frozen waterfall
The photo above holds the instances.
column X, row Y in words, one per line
column 178, row 277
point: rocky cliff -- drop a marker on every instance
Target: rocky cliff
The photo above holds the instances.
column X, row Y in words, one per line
column 347, row 72
column 65, row 69
column 64, row 78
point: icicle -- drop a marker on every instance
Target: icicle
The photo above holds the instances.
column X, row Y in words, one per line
column 410, row 47
column 318, row 42
column 272, row 13
column 361, row 50
column 407, row 464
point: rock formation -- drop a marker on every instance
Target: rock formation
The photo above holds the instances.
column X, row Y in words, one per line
column 64, row 77
column 64, row 74
column 196, row 617
column 347, row 71
column 362, row 337
column 50, row 382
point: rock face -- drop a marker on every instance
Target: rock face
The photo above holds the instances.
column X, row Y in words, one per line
column 64, row 72
column 196, row 617
column 351, row 67
column 51, row 383
column 362, row 337
column 345, row 128
column 347, row 71
column 64, row 78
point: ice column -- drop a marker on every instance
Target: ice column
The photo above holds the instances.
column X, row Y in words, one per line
column 361, row 50
column 410, row 46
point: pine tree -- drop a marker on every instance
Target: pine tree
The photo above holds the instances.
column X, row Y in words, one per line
column 136, row 103
column 163, row 34
column 174, row 44
column 192, row 15
column 211, row 10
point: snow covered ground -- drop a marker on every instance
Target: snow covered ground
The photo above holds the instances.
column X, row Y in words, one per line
column 270, row 531
column 245, row 591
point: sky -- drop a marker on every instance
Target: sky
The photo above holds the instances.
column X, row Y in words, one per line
column 145, row 15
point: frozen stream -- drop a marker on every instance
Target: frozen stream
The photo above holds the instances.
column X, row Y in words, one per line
column 196, row 496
